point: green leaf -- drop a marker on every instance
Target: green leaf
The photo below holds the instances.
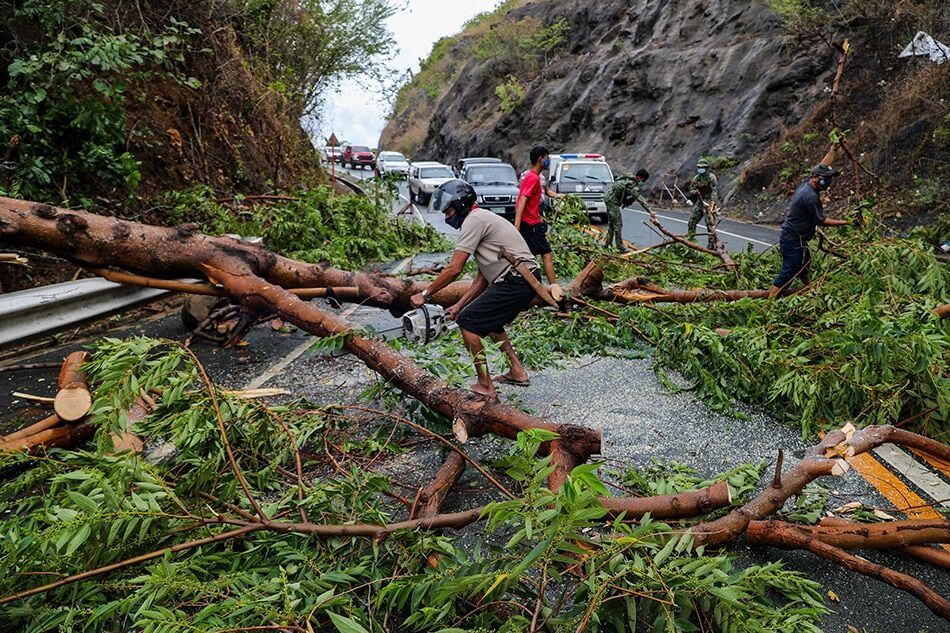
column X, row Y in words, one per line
column 344, row 624
column 78, row 539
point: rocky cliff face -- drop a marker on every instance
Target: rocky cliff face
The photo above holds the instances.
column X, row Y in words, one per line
column 649, row 83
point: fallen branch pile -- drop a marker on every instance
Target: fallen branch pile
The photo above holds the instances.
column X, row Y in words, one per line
column 258, row 281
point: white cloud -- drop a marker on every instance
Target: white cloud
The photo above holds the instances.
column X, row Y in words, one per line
column 357, row 114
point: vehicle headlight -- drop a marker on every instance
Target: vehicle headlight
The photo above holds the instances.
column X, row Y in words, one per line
column 479, row 199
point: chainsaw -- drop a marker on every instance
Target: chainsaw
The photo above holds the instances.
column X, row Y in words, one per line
column 425, row 324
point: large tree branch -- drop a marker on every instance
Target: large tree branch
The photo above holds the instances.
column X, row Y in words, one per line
column 97, row 241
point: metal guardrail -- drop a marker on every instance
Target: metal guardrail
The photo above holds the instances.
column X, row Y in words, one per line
column 358, row 189
column 46, row 309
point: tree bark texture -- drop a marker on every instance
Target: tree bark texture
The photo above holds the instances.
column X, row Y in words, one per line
column 91, row 240
column 433, row 496
column 887, row 535
column 677, row 506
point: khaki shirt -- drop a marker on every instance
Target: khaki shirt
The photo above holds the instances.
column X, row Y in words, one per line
column 484, row 234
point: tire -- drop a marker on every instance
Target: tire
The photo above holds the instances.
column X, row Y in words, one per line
column 412, row 196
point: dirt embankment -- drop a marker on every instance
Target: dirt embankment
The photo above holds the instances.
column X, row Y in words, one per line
column 233, row 132
column 657, row 85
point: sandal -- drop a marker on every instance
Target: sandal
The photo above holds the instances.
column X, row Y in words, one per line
column 505, row 379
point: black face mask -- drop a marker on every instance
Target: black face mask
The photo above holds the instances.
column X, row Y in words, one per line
column 456, row 220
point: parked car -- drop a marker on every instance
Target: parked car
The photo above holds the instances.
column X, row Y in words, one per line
column 358, row 156
column 585, row 175
column 424, row 177
column 332, row 154
column 495, row 183
column 461, row 163
column 392, row 163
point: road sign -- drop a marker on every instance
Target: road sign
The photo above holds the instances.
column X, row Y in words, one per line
column 333, row 140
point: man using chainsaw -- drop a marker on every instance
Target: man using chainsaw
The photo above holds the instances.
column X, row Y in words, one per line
column 500, row 290
column 625, row 191
column 704, row 194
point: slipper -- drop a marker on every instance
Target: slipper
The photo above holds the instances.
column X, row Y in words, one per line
column 505, row 379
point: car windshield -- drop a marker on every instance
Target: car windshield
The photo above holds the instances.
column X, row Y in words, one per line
column 584, row 172
column 360, row 148
column 395, row 157
column 435, row 172
column 491, row 175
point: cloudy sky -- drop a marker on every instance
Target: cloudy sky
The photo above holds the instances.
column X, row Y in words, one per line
column 416, row 27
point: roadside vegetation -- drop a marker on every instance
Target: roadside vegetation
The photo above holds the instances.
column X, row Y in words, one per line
column 313, row 224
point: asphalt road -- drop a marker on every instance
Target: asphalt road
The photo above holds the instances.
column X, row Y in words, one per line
column 641, row 420
column 737, row 236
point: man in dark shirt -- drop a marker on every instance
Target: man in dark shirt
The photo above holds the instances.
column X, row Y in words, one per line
column 804, row 215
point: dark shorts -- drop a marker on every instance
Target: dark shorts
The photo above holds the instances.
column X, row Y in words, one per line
column 534, row 235
column 498, row 306
column 795, row 258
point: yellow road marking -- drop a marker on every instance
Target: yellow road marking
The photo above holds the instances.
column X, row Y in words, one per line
column 942, row 466
column 893, row 489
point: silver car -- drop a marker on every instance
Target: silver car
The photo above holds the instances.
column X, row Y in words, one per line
column 424, row 177
column 392, row 163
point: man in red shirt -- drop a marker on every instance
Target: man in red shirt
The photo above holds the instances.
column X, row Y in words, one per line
column 528, row 212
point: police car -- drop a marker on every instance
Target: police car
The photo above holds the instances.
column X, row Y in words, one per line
column 586, row 176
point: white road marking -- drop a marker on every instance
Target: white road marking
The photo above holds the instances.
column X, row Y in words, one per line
column 926, row 480
column 666, row 217
column 299, row 351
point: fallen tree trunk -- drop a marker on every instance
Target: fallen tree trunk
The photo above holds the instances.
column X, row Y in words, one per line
column 474, row 415
column 888, row 535
column 433, row 496
column 345, row 293
column 682, row 505
column 824, row 459
column 789, row 536
column 73, row 400
column 97, row 241
column 256, row 278
column 937, row 556
column 642, row 290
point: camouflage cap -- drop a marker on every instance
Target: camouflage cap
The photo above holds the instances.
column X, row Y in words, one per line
column 824, row 170
column 702, row 162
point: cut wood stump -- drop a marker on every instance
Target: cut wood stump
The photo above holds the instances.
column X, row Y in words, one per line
column 73, row 400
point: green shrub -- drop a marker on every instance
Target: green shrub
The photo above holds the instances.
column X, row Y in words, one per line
column 348, row 231
column 62, row 114
column 511, row 93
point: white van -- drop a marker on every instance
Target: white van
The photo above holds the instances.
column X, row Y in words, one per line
column 585, row 175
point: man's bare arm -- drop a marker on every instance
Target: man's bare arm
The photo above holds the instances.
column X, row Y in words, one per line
column 519, row 209
column 452, row 270
column 478, row 287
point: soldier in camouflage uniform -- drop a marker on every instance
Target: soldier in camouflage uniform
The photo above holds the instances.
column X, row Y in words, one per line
column 704, row 194
column 625, row 191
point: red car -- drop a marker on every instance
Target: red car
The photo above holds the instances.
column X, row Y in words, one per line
column 358, row 156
